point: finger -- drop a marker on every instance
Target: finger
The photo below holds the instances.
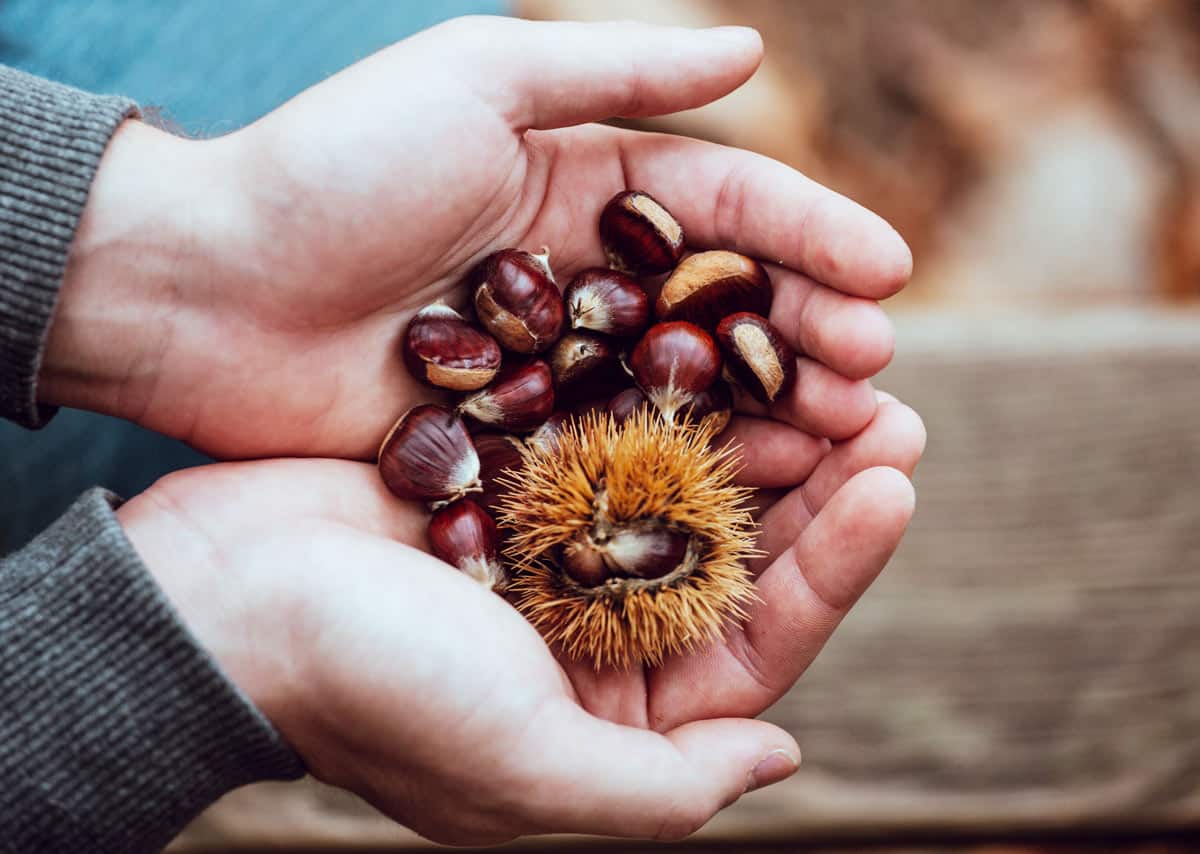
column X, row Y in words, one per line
column 594, row 776
column 549, row 74
column 825, row 403
column 802, row 597
column 848, row 334
column 895, row 438
column 772, row 454
column 726, row 198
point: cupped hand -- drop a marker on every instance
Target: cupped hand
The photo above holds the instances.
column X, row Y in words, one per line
column 248, row 293
column 397, row 677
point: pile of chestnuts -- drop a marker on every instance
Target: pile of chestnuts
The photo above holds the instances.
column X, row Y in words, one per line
column 533, row 358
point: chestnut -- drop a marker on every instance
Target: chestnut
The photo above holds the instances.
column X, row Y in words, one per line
column 644, row 550
column 607, row 301
column 674, row 362
column 715, row 403
column 709, row 286
column 582, row 562
column 428, row 456
column 498, row 453
column 444, row 351
column 516, row 299
column 546, row 437
column 585, row 366
column 639, row 235
column 756, row 355
column 625, row 403
column 465, row 536
column 521, row 398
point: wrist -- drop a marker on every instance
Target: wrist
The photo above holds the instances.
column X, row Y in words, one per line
column 140, row 245
column 237, row 611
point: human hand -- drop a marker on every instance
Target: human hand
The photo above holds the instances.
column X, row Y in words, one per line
column 247, row 294
column 397, row 677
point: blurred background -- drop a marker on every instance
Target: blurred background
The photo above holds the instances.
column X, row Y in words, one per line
column 1025, row 677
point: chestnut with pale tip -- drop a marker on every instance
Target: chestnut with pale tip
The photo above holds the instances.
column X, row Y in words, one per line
column 520, row 399
column 647, row 550
column 673, row 363
column 639, row 235
column 608, row 302
column 516, row 299
column 756, row 355
column 585, row 366
column 709, row 286
column 444, row 351
column 714, row 403
column 465, row 536
column 625, row 403
column 428, row 456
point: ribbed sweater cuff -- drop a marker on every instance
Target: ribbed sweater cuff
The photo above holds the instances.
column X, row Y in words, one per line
column 51, row 140
column 117, row 727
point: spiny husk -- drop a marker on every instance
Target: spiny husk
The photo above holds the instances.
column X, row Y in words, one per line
column 648, row 469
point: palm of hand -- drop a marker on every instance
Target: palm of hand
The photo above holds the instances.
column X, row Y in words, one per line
column 495, row 738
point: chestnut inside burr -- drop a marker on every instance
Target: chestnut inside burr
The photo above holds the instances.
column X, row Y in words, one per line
column 619, row 552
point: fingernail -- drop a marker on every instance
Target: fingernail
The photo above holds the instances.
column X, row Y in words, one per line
column 775, row 766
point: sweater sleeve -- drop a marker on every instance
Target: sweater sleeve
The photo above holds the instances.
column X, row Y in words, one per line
column 51, row 140
column 117, row 728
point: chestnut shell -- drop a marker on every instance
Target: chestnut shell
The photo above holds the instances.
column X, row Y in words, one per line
column 516, row 300
column 709, row 286
column 639, row 235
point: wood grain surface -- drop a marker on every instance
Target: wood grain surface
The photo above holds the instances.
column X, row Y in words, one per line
column 1029, row 662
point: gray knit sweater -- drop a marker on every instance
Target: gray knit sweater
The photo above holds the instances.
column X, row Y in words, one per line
column 116, row 728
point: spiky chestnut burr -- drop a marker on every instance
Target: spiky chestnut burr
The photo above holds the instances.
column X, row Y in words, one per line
column 639, row 235
column 621, row 487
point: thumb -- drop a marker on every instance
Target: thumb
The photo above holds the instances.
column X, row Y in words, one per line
column 624, row 781
column 543, row 74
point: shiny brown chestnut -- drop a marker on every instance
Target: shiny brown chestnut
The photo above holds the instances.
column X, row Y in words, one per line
column 521, row 398
column 498, row 453
column 585, row 366
column 714, row 403
column 709, row 286
column 756, row 355
column 639, row 235
column 648, row 550
column 607, row 301
column 625, row 403
column 516, row 299
column 428, row 456
column 466, row 537
column 442, row 350
column 546, row 437
column 673, row 363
